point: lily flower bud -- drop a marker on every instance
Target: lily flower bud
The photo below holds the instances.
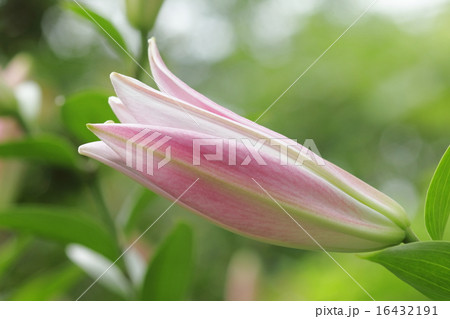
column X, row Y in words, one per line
column 142, row 13
column 177, row 139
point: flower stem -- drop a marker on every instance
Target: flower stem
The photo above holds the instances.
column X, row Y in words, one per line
column 142, row 59
column 410, row 236
column 106, row 216
column 110, row 223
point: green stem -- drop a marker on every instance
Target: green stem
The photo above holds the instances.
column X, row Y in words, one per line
column 110, row 223
column 94, row 186
column 142, row 60
column 106, row 216
column 410, row 236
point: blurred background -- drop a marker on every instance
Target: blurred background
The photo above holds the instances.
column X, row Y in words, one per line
column 377, row 104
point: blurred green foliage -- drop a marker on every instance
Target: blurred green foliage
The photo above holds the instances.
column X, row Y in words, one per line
column 168, row 274
column 377, row 104
column 82, row 108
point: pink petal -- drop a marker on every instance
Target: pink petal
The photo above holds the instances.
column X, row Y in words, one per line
column 121, row 111
column 173, row 86
column 365, row 193
column 228, row 195
column 104, row 154
column 152, row 107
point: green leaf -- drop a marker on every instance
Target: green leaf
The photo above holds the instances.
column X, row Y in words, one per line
column 106, row 28
column 437, row 205
column 61, row 225
column 170, row 270
column 83, row 108
column 48, row 286
column 10, row 251
column 45, row 149
column 423, row 265
column 95, row 266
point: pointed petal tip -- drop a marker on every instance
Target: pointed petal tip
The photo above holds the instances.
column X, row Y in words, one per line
column 114, row 100
column 113, row 75
column 93, row 127
column 97, row 150
column 86, row 149
column 153, row 53
column 117, row 78
column 82, row 149
column 119, row 109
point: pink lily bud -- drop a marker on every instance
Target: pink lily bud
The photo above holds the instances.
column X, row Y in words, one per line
column 239, row 175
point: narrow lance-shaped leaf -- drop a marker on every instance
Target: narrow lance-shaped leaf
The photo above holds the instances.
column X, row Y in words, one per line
column 169, row 272
column 423, row 265
column 105, row 27
column 437, row 206
column 61, row 225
